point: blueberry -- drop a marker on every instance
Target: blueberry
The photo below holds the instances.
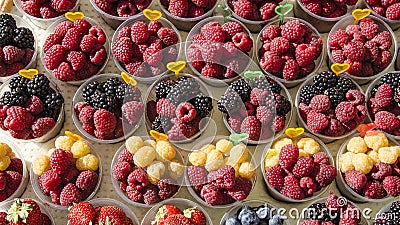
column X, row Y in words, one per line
column 232, row 221
column 243, row 210
column 263, row 212
column 249, row 218
column 275, row 220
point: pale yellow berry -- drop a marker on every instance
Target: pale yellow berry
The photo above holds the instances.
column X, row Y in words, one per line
column 87, row 162
column 224, row 146
column 279, row 144
column 11, row 154
column 271, row 162
column 4, row 162
column 346, row 162
column 133, row 144
column 207, row 148
column 374, row 156
column 64, row 142
column 215, row 165
column 357, row 145
column 362, row 163
column 3, row 149
column 41, row 164
column 271, row 153
column 175, row 169
column 247, row 170
column 213, row 155
column 151, row 143
column 302, row 142
column 388, row 155
column 144, row 156
column 50, row 151
column 166, row 150
column 80, row 149
column 311, row 147
column 376, row 140
column 155, row 171
column 302, row 153
column 239, row 154
column 236, row 168
column 198, row 158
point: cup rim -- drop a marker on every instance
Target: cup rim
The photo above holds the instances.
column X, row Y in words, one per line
column 386, row 207
column 43, row 209
column 194, row 19
column 327, row 19
column 119, row 18
column 389, row 21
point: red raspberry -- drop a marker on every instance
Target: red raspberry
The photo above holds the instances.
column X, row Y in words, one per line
column 381, row 170
column 82, row 25
column 138, row 176
column 132, row 111
column 252, row 126
column 303, row 167
column 87, row 180
column 194, row 11
column 51, row 40
column 293, row 30
column 361, row 113
column 28, row 56
column 62, row 28
column 355, row 179
column 243, row 8
column 242, row 41
column 383, row 40
column 212, row 195
column 212, row 52
column 165, row 108
column 374, row 190
column 98, row 34
column 308, row 185
column 271, row 62
column 345, row 112
column 49, row 180
column 47, row 12
column 12, row 54
column 16, row 165
column 21, row 134
column 271, row 32
column 320, row 103
column 264, row 114
column 54, row 56
column 62, row 5
column 334, row 129
column 168, row 36
column 235, row 122
column 152, row 27
column 290, row 70
column 18, row 118
column 386, row 121
column 241, row 189
column 77, row 59
column 179, row 8
column 279, row 123
column 275, row 177
column 133, row 194
column 355, row 97
column 125, row 156
column 123, row 186
column 122, row 49
column 197, row 176
column 136, row 68
column 326, row 175
column 222, row 178
column 70, row 175
column 305, row 54
column 291, row 188
column 121, row 171
column 13, row 180
column 69, row 195
column 88, row 128
column 34, row 105
column 153, row 54
column 211, row 70
column 41, row 126
column 213, row 32
column 72, row 39
column 185, row 112
column 331, row 202
column 383, row 60
column 3, row 182
column 167, row 188
column 369, row 28
column 126, row 8
column 354, row 51
column 288, row 156
column 267, row 10
column 201, row 3
column 86, row 115
column 393, row 12
column 60, row 160
column 392, row 185
column 104, row 121
column 279, row 45
column 317, row 121
column 31, row 7
column 107, row 7
column 64, row 72
column 87, row 43
column 150, row 195
column 98, row 55
column 231, row 28
column 338, row 39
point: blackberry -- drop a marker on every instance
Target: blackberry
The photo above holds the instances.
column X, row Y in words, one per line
column 127, row 93
column 13, row 99
column 161, row 124
column 89, row 91
column 283, row 105
column 335, row 96
column 52, row 105
column 392, row 79
column 229, row 102
column 203, row 105
column 242, row 88
column 110, row 86
column 344, row 84
column 325, row 80
column 395, row 210
column 6, row 35
column 39, row 86
column 100, row 100
column 185, row 89
column 7, row 20
column 18, row 84
column 163, row 88
column 307, row 93
column 23, row 38
column 319, row 211
column 266, row 83
column 375, row 89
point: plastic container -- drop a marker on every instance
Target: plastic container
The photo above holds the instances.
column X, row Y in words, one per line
column 280, row 197
column 251, row 203
column 50, row 30
column 196, row 30
column 151, row 96
column 185, row 24
column 385, row 209
column 394, row 24
column 41, row 22
column 348, row 191
column 22, row 23
column 5, row 206
column 318, row 62
column 181, row 203
column 349, row 20
column 79, row 98
column 289, row 117
column 53, row 132
column 47, row 199
column 323, row 137
column 122, row 194
column 165, row 23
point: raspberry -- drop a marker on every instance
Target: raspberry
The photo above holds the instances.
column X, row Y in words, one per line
column 303, row 167
column 125, row 156
column 150, row 195
column 267, row 10
column 211, row 70
column 138, row 175
column 384, row 40
column 41, row 126
column 386, row 121
column 393, row 12
column 121, row 171
column 153, row 54
column 392, row 185
column 315, row 7
column 369, row 28
column 126, row 9
column 271, row 62
column 51, row 40
column 62, row 28
column 185, row 112
column 168, row 36
column 374, row 190
column 271, row 32
column 12, row 54
column 70, row 175
column 17, row 118
column 264, row 114
column 201, row 3
column 355, row 179
column 223, row 178
column 213, row 32
column 122, row 49
column 77, row 59
column 383, row 60
column 133, row 194
column 305, row 54
column 241, row 189
column 212, row 195
column 54, row 56
column 320, row 103
column 72, row 39
column 82, row 25
column 34, row 105
column 212, row 52
column 87, row 180
column 152, row 27
column 104, row 121
column 98, row 55
column 288, row 156
column 86, row 115
column 334, row 129
column 243, row 8
column 132, row 111
column 16, row 165
column 252, row 126
column 383, row 96
column 381, row 170
column 275, row 177
column 69, row 195
column 13, row 180
column 136, row 68
column 235, row 122
column 326, row 175
column 179, row 8
column 290, row 70
column 308, row 185
column 317, row 121
column 60, row 160
column 231, row 28
column 62, row 5
column 64, row 72
column 47, row 12
column 293, row 30
column 279, row 45
column 279, row 123
column 355, row 97
column 3, row 182
column 242, row 41
column 345, row 112
column 197, row 177
column 291, row 188
column 31, row 7
column 338, row 39
column 49, row 180
column 165, row 108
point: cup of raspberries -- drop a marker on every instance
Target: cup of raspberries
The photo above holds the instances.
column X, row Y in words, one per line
column 32, row 109
column 386, row 11
column 145, row 171
column 75, row 51
column 369, row 167
column 383, row 102
column 18, row 43
column 102, row 211
column 388, row 214
column 218, row 50
column 261, row 108
column 13, row 171
column 253, row 212
column 290, row 52
column 178, row 107
column 220, row 174
column 370, row 47
column 330, row 106
column 68, row 173
column 106, row 109
column 25, row 211
column 142, row 48
column 332, row 210
column 177, row 211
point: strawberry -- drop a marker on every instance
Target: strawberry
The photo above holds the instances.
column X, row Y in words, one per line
column 111, row 215
column 81, row 214
column 24, row 211
column 195, row 216
column 177, row 219
column 165, row 211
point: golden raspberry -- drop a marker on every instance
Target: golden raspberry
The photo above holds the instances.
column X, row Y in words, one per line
column 239, row 154
column 4, row 149
column 4, row 162
column 346, row 162
column 155, row 171
column 213, row 155
column 302, row 142
column 41, row 164
column 175, row 169
column 144, row 156
column 64, row 142
column 133, row 144
column 151, row 143
column 198, row 158
column 236, row 168
column 357, row 145
column 388, row 155
column 311, row 147
column 271, row 152
column 11, row 154
column 80, row 149
column 303, row 153
column 215, row 164
column 224, row 146
column 87, row 162
column 247, row 170
column 362, row 163
column 279, row 144
column 374, row 156
column 207, row 148
column 271, row 162
column 376, row 140
column 165, row 150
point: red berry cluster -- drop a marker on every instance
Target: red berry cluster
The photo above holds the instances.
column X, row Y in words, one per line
column 289, row 51
column 170, row 215
column 24, row 211
column 363, row 46
column 220, row 51
column 219, row 187
column 188, row 8
column 388, row 9
column 14, row 59
column 122, row 8
column 256, row 10
column 328, row 8
column 47, row 8
column 75, row 51
column 11, row 178
column 144, row 49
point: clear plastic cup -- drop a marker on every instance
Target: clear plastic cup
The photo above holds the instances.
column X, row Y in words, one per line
column 151, row 96
column 289, row 117
column 41, row 22
column 303, row 123
column 252, row 203
column 318, row 62
column 34, row 180
column 79, row 98
column 342, row 185
column 349, row 20
column 394, row 24
column 323, row 24
column 181, row 203
column 49, row 135
column 196, row 30
column 22, row 23
column 122, row 194
column 280, row 197
column 6, row 205
column 385, row 209
column 129, row 22
column 185, row 24
column 50, row 30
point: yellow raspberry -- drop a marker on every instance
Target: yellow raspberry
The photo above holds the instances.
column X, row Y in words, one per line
column 302, row 153
column 87, row 162
column 3, row 149
column 41, row 164
column 271, row 162
column 346, row 162
column 151, row 143
column 80, row 149
column 198, row 158
column 213, row 155
column 236, row 168
column 388, row 155
column 271, row 153
column 175, row 169
column 302, row 142
column 215, row 164
column 64, row 142
column 279, row 144
column 11, row 154
column 133, row 144
column 311, row 147
column 165, row 150
column 207, row 148
column 239, row 154
column 247, row 170
column 155, row 171
column 4, row 162
column 224, row 146
column 357, row 145
column 144, row 156
column 362, row 163
column 376, row 140
column 374, row 156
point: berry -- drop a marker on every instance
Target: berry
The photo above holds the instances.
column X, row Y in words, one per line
column 179, row 8
column 335, row 95
column 320, row 103
column 324, row 81
column 335, row 128
column 41, row 126
column 292, row 30
column 288, row 156
column 374, row 190
column 345, row 112
column 23, row 38
column 305, row 54
column 275, row 177
column 110, row 214
column 69, row 195
column 242, row 41
column 355, row 179
column 383, row 96
column 54, row 56
column 16, row 165
column 386, row 121
column 338, row 39
column 369, row 28
column 185, row 112
column 241, row 189
column 381, row 170
column 168, row 36
column 392, row 185
column 197, row 177
column 326, row 175
column 122, row 49
column 355, row 97
column 150, row 195
column 177, row 219
column 393, row 12
column 279, row 45
column 12, row 54
column 17, row 118
column 49, row 181
column 212, row 195
column 303, row 167
column 121, row 170
column 87, row 43
column 264, row 114
column 222, row 178
column 232, row 28
column 307, row 93
column 308, row 185
column 195, row 215
column 13, row 180
column 60, row 160
column 81, row 213
column 86, row 115
column 34, row 105
column 166, row 188
column 87, row 180
column 31, row 7
column 72, row 39
column 104, row 121
column 203, row 105
column 252, row 126
column 243, row 8
column 317, row 121
column 291, row 188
